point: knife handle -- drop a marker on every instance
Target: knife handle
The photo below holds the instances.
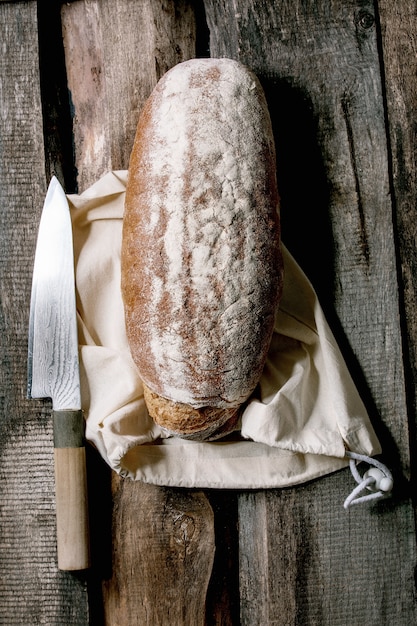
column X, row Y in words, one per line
column 71, row 491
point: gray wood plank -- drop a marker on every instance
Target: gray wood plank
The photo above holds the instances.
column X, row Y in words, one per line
column 32, row 590
column 398, row 23
column 303, row 559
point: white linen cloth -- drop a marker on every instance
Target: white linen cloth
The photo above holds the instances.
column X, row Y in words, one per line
column 309, row 412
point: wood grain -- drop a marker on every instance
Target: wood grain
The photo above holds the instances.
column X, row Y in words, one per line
column 305, row 560
column 111, row 71
column 163, row 541
column 32, row 590
column 321, row 75
column 73, row 539
column 398, row 22
column 341, row 83
column 163, row 548
column 320, row 67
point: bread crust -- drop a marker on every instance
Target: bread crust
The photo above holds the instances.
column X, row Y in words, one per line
column 201, row 258
column 205, row 423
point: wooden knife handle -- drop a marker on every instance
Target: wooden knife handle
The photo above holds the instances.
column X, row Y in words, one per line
column 71, row 491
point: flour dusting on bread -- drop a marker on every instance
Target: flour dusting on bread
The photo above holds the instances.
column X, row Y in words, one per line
column 201, row 259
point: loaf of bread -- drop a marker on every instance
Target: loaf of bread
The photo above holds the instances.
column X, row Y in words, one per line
column 201, row 258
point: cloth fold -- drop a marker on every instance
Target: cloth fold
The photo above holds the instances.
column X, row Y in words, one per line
column 307, row 411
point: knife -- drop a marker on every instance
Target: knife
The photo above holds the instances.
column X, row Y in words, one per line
column 53, row 372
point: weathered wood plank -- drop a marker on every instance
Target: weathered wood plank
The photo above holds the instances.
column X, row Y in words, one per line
column 304, row 560
column 32, row 590
column 163, row 540
column 163, row 547
column 115, row 54
column 320, row 67
column 399, row 43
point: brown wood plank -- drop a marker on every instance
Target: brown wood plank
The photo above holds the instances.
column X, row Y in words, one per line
column 115, row 53
column 303, row 559
column 163, row 548
column 32, row 590
column 162, row 540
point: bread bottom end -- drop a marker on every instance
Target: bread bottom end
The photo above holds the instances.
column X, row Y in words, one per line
column 202, row 424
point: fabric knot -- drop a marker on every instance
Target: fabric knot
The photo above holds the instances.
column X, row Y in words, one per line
column 377, row 480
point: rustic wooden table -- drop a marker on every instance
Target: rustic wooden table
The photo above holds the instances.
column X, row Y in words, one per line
column 341, row 83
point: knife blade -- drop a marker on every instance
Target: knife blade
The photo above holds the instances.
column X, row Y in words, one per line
column 53, row 372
